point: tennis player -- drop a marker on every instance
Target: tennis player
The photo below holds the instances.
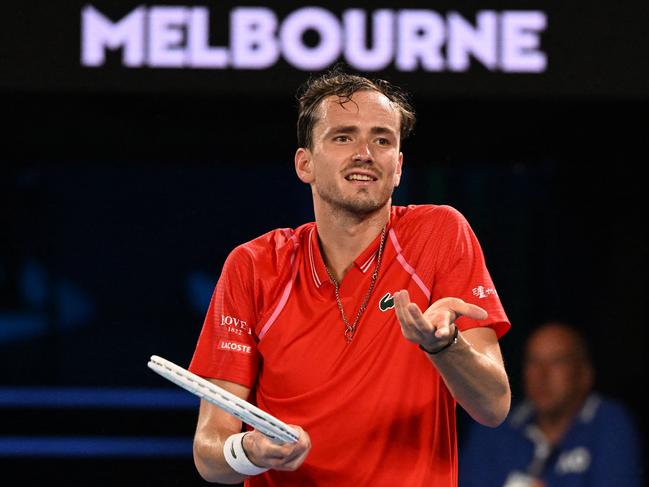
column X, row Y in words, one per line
column 362, row 329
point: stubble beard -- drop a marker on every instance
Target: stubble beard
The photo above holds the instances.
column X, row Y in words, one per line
column 359, row 206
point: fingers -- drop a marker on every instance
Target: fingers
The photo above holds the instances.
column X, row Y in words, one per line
column 287, row 456
column 419, row 321
column 297, row 453
column 471, row 311
column 460, row 308
column 414, row 325
column 436, row 323
column 401, row 302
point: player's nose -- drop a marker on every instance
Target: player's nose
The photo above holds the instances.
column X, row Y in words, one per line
column 362, row 152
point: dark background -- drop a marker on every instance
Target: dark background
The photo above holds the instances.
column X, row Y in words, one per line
column 119, row 204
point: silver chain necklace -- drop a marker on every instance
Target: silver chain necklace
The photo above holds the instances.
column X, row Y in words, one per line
column 351, row 329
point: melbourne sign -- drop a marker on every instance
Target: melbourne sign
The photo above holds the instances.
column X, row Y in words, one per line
column 314, row 38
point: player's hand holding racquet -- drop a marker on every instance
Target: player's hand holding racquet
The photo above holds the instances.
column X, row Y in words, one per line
column 265, row 453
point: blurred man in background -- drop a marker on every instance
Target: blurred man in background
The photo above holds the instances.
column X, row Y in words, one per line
column 562, row 434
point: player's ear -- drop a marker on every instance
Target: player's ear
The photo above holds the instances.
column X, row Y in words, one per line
column 304, row 165
column 397, row 172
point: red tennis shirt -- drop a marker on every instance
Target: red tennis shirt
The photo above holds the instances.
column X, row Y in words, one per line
column 376, row 409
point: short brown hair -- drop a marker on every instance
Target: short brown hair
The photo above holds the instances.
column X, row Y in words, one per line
column 343, row 85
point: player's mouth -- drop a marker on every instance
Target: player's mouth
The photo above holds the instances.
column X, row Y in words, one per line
column 361, row 178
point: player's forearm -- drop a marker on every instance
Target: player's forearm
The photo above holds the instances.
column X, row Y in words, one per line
column 210, row 462
column 478, row 382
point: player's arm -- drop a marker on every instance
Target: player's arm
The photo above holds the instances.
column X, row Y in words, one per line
column 472, row 367
column 215, row 426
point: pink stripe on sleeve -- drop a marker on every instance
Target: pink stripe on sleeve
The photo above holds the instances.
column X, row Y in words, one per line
column 409, row 269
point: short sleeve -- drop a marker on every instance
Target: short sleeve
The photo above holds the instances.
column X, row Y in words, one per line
column 227, row 348
column 461, row 272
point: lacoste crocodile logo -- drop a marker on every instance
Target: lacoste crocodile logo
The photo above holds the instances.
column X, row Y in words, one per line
column 386, row 302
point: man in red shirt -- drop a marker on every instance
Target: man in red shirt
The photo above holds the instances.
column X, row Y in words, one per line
column 363, row 329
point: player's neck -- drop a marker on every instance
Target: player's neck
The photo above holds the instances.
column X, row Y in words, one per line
column 345, row 237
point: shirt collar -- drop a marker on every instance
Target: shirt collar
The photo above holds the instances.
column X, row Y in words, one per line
column 364, row 262
column 314, row 257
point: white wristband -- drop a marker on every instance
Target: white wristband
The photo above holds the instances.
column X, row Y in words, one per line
column 237, row 458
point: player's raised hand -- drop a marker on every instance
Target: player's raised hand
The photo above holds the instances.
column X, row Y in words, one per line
column 434, row 328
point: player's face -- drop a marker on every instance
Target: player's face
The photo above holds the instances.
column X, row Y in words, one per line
column 356, row 162
column 556, row 376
